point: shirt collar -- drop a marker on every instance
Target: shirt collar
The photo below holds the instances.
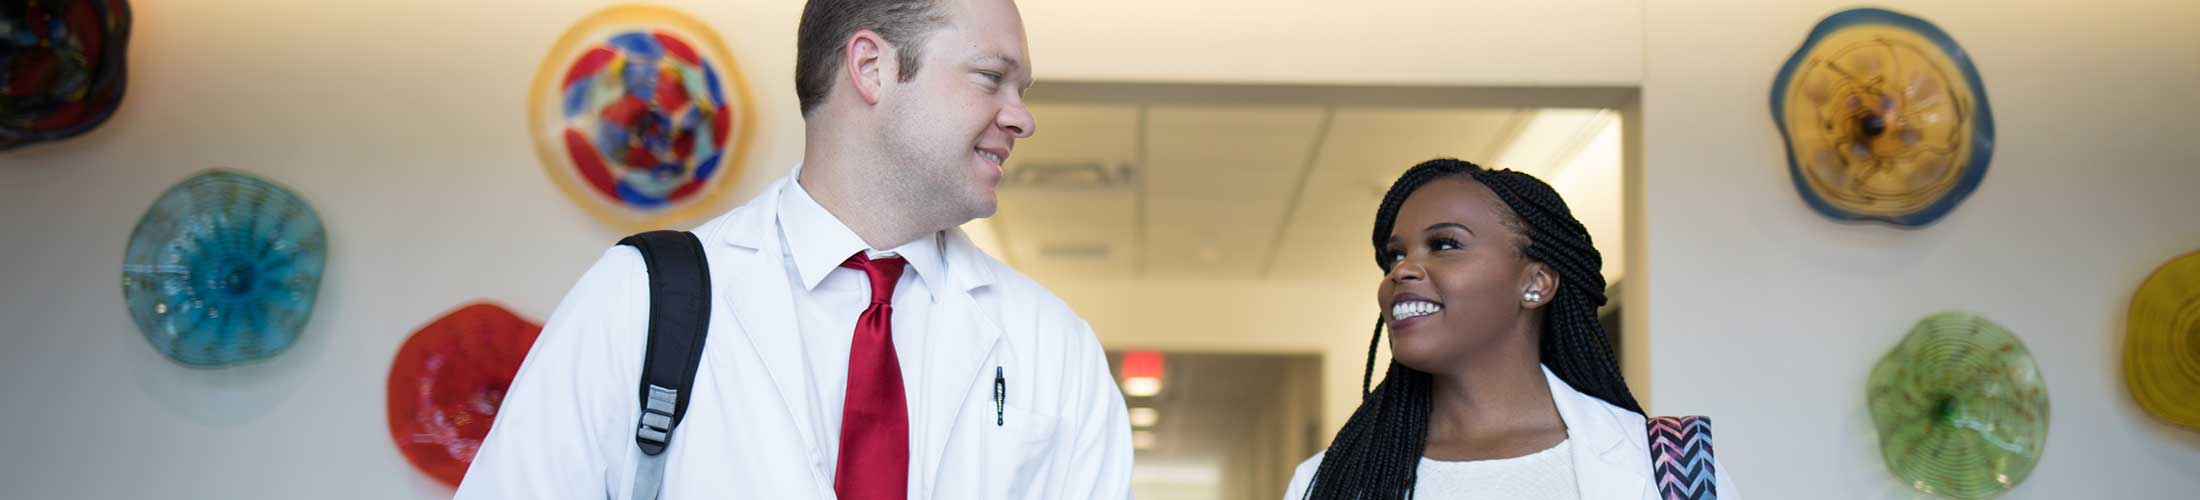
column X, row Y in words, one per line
column 819, row 241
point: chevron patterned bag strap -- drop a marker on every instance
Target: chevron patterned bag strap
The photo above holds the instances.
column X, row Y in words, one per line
column 1680, row 458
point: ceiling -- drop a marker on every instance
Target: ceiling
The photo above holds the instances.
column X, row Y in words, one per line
column 1266, row 191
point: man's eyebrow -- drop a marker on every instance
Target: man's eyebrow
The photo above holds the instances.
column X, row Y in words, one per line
column 1011, row 62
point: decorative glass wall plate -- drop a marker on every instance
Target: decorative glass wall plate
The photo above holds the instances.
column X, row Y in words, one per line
column 61, row 67
column 640, row 115
column 1960, row 406
column 447, row 381
column 2162, row 345
column 1884, row 119
column 224, row 269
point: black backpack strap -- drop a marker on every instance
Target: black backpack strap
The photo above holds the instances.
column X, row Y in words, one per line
column 679, row 321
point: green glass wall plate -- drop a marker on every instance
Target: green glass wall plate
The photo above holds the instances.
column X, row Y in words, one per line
column 1960, row 407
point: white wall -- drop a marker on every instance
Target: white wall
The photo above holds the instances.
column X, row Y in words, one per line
column 402, row 121
column 1768, row 317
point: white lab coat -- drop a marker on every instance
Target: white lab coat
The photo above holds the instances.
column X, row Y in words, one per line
column 1610, row 447
column 566, row 426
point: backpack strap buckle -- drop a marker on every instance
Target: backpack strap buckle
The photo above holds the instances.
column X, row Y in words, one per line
column 655, row 433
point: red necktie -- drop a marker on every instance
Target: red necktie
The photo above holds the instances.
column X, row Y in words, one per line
column 874, row 421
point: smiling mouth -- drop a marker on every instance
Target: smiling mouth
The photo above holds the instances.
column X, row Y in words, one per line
column 989, row 156
column 1409, row 309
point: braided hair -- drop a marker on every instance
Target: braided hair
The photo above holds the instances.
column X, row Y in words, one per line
column 1376, row 454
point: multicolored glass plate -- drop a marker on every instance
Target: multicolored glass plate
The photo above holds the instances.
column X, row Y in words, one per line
column 62, row 68
column 641, row 116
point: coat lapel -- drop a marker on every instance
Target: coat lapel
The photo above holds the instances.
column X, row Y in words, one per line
column 1611, row 453
column 962, row 336
column 755, row 274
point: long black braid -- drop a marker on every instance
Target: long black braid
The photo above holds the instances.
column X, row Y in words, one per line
column 1376, row 454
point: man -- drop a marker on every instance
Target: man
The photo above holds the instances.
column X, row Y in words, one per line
column 856, row 338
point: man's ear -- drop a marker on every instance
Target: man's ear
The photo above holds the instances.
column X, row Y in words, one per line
column 867, row 62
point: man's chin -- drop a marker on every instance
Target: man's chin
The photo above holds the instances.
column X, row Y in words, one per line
column 985, row 200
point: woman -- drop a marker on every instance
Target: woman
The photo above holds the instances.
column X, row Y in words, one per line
column 1502, row 384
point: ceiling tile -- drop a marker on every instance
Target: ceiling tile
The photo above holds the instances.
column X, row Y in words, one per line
column 1238, row 153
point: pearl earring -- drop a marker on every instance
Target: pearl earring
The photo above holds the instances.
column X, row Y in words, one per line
column 1532, row 296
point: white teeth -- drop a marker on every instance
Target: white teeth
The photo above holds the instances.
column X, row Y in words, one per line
column 990, row 156
column 1413, row 309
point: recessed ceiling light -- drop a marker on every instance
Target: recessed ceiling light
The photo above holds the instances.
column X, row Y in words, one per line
column 1141, row 387
column 1144, row 417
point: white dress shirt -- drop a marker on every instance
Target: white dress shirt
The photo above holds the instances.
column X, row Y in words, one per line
column 1543, row 475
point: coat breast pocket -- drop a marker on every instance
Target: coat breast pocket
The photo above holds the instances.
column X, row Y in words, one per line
column 1019, row 444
